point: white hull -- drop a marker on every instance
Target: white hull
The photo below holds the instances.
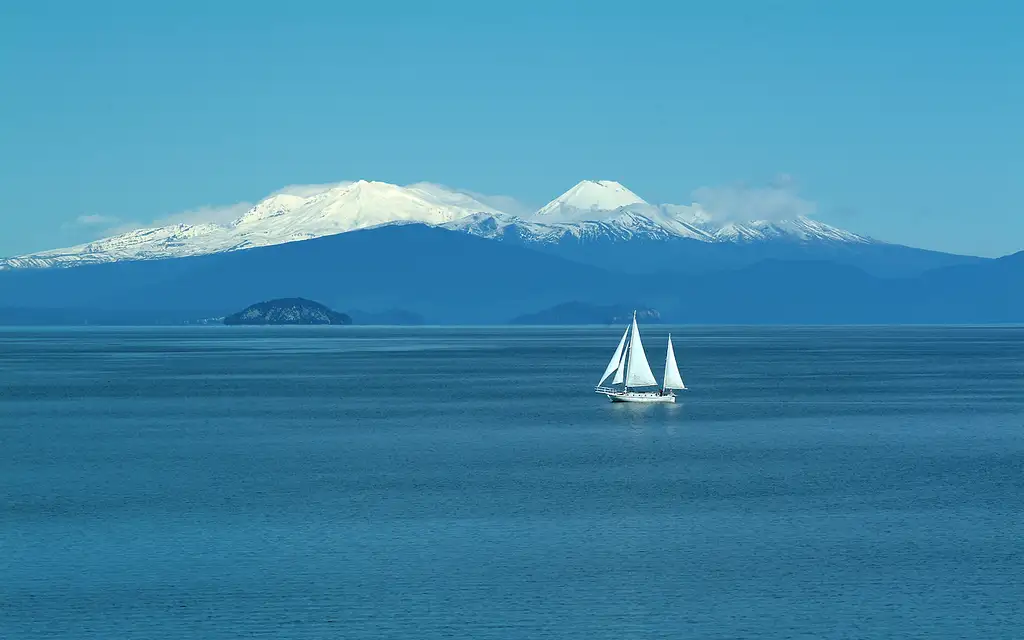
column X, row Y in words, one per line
column 647, row 397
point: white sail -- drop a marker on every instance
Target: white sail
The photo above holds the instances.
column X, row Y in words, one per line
column 621, row 371
column 639, row 373
column 672, row 378
column 616, row 358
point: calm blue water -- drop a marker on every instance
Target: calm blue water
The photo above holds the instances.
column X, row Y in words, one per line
column 437, row 483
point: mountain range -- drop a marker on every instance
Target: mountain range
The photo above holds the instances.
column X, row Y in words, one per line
column 455, row 257
column 596, row 222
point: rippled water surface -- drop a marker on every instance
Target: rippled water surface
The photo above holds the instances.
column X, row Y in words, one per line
column 437, row 483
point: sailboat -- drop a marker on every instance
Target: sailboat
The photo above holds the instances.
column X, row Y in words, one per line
column 633, row 372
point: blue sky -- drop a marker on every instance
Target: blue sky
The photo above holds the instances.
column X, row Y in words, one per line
column 900, row 120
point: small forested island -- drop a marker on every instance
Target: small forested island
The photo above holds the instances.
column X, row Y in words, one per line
column 287, row 311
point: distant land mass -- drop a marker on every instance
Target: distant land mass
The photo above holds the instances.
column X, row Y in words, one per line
column 457, row 259
column 57, row 316
column 584, row 313
column 287, row 311
column 451, row 277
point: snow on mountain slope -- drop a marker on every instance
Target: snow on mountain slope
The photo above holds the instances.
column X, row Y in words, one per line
column 601, row 210
column 582, row 214
column 800, row 229
column 356, row 206
column 177, row 240
column 628, row 223
column 587, row 197
column 278, row 219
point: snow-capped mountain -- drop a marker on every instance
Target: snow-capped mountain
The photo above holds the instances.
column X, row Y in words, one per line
column 278, row 219
column 592, row 210
column 588, row 198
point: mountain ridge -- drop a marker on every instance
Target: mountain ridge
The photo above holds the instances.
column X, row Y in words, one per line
column 278, row 219
column 591, row 211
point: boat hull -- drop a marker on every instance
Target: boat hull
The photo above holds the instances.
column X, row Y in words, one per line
column 641, row 397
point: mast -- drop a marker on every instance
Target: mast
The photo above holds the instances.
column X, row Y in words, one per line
column 625, row 362
column 639, row 373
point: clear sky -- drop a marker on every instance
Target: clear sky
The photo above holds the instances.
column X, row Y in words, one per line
column 903, row 120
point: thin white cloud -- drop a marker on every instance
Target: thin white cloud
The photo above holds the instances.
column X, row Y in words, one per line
column 222, row 215
column 505, row 204
column 741, row 203
column 310, row 190
column 508, row 204
column 225, row 214
column 95, row 220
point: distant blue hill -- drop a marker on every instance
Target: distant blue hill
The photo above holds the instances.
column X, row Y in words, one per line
column 684, row 255
column 445, row 276
column 452, row 277
column 783, row 292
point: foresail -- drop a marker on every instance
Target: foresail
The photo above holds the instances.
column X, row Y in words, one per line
column 639, row 373
column 672, row 378
column 621, row 371
column 616, row 358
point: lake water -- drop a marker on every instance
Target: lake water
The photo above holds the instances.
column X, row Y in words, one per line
column 467, row 483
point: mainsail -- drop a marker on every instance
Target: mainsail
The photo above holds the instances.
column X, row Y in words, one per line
column 616, row 358
column 672, row 378
column 638, row 373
